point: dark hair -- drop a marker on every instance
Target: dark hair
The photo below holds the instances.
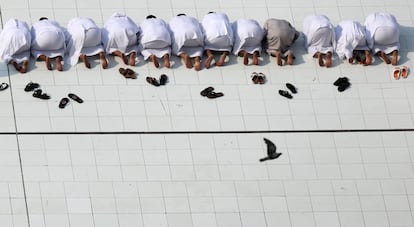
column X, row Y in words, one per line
column 43, row 18
column 211, row 12
column 151, row 16
column 181, row 14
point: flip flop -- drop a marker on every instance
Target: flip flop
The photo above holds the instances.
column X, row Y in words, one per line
column 130, row 74
column 285, row 94
column 163, row 79
column 342, row 87
column 255, row 77
column 75, row 97
column 3, row 86
column 340, row 80
column 213, row 95
column 206, row 91
column 122, row 71
column 152, row 81
column 31, row 86
column 261, row 78
column 38, row 93
column 63, row 102
column 397, row 73
column 404, row 72
column 292, row 88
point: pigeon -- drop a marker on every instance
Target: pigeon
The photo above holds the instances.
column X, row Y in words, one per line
column 271, row 151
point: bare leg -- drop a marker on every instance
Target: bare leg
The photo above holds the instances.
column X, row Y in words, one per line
column 104, row 62
column 255, row 58
column 187, row 60
column 59, row 65
column 222, row 58
column 197, row 63
column 47, row 61
column 155, row 61
column 24, row 66
column 290, row 58
column 328, row 59
column 368, row 58
column 121, row 55
column 16, row 66
column 209, row 59
column 167, row 63
column 245, row 56
column 394, row 60
column 320, row 60
column 85, row 61
column 132, row 58
column 279, row 58
column 384, row 57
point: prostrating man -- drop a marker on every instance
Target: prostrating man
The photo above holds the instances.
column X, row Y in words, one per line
column 384, row 32
column 187, row 40
column 218, row 37
column 279, row 37
column 319, row 38
column 120, row 37
column 352, row 42
column 84, row 40
column 15, row 41
column 48, row 42
column 155, row 40
column 248, row 37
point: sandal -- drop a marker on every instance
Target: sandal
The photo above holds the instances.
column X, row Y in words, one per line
column 255, row 77
column 75, row 97
column 3, row 86
column 397, row 73
column 31, row 86
column 163, row 79
column 292, row 88
column 261, row 78
column 39, row 94
column 130, row 74
column 206, row 91
column 404, row 72
column 285, row 94
column 213, row 95
column 152, row 81
column 63, row 102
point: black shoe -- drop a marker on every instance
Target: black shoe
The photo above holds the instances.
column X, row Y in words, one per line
column 341, row 80
column 285, row 94
column 291, row 88
column 343, row 86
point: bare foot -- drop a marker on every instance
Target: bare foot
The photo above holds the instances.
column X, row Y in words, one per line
column 290, row 59
column 59, row 65
column 48, row 64
column 279, row 59
column 85, row 61
column 24, row 66
column 255, row 58
column 320, row 60
column 187, row 60
column 197, row 63
column 328, row 59
column 120, row 55
column 208, row 61
column 155, row 61
column 384, row 57
column 104, row 62
column 222, row 59
column 16, row 66
column 132, row 59
column 351, row 61
column 368, row 58
column 394, row 60
column 245, row 56
column 167, row 63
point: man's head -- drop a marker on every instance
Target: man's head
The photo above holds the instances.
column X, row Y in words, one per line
column 151, row 16
column 181, row 14
column 43, row 18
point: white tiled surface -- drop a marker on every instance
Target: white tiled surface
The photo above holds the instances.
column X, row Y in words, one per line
column 153, row 176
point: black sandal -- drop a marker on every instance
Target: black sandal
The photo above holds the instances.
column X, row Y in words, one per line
column 163, row 79
column 63, row 102
column 75, row 97
column 285, row 94
column 206, row 91
column 3, row 86
column 292, row 88
column 31, row 86
column 39, row 94
column 213, row 95
column 152, row 81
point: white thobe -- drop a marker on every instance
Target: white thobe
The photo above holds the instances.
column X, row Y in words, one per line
column 319, row 34
column 218, row 33
column 155, row 38
column 15, row 41
column 187, row 36
column 48, row 39
column 248, row 36
column 350, row 36
column 384, row 31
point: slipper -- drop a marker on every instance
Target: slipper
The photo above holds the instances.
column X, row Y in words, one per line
column 152, row 81
column 3, row 86
column 163, row 79
column 397, row 72
column 404, row 72
column 75, row 97
column 31, row 86
column 255, row 77
column 292, row 88
column 130, row 74
column 340, row 80
column 63, row 102
column 213, row 95
column 342, row 87
column 39, row 94
column 261, row 78
column 285, row 94
column 206, row 91
column 122, row 71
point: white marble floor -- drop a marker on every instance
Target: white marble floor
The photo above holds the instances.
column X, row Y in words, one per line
column 134, row 155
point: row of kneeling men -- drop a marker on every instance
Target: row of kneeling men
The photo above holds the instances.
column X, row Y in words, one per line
column 187, row 38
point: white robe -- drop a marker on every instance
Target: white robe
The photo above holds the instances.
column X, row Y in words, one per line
column 248, row 36
column 120, row 33
column 319, row 34
column 155, row 38
column 187, row 36
column 15, row 41
column 218, row 34
column 384, row 31
column 350, row 36
column 48, row 39
column 83, row 37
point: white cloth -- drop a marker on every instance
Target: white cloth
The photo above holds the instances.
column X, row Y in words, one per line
column 319, row 34
column 248, row 36
column 218, row 33
column 48, row 39
column 350, row 36
column 120, row 33
column 15, row 41
column 384, row 31
column 155, row 38
column 83, row 37
column 186, row 36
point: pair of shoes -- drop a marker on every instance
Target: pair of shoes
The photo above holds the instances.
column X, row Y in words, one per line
column 64, row 101
column 31, row 86
column 3, row 86
column 400, row 72
column 128, row 73
column 286, row 94
column 258, row 78
column 38, row 93
column 153, row 81
column 342, row 83
column 209, row 93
